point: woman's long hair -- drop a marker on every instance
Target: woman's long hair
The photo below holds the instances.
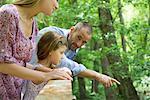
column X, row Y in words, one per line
column 26, row 3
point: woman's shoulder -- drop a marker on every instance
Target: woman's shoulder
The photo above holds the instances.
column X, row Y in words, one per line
column 9, row 10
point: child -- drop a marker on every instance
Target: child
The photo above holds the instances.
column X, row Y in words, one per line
column 50, row 50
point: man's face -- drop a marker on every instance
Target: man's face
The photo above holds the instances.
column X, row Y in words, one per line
column 78, row 38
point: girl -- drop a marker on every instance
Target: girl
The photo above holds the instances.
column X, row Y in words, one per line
column 50, row 50
column 17, row 32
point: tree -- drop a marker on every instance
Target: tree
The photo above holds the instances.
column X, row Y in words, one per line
column 126, row 88
column 122, row 25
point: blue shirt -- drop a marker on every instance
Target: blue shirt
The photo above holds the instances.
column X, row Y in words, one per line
column 67, row 60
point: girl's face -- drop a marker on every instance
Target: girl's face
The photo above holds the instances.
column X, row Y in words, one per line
column 55, row 56
column 48, row 6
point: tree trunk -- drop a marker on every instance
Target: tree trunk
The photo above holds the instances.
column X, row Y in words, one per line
column 149, row 12
column 120, row 72
column 147, row 32
column 122, row 25
column 81, row 83
column 82, row 88
column 109, row 92
column 95, row 83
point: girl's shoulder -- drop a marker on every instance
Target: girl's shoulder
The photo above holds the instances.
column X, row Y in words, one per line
column 9, row 10
column 34, row 87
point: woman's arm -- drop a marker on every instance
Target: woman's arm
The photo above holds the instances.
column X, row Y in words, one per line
column 28, row 74
column 21, row 72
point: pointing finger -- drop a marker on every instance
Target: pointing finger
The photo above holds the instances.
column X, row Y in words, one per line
column 114, row 80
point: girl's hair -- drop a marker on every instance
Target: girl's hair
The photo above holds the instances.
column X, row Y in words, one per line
column 49, row 41
column 26, row 3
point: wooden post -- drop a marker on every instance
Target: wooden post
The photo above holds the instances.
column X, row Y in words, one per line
column 56, row 90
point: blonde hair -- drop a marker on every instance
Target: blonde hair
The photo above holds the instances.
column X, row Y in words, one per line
column 26, row 3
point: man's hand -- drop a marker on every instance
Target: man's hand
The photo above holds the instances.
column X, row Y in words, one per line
column 65, row 69
column 106, row 80
column 59, row 73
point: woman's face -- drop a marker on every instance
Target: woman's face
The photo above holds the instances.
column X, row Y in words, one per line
column 55, row 56
column 49, row 6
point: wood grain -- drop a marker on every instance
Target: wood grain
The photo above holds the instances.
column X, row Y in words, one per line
column 56, row 90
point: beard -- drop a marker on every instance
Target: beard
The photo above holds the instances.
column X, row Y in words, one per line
column 71, row 45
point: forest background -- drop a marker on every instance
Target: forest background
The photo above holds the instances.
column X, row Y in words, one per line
column 120, row 45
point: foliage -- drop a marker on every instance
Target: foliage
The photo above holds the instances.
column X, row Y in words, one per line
column 136, row 31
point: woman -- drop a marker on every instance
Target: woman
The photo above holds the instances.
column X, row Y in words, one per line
column 17, row 32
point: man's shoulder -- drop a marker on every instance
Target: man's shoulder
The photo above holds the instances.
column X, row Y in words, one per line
column 70, row 54
column 58, row 30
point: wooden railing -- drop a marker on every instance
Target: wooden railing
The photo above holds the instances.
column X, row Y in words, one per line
column 56, row 90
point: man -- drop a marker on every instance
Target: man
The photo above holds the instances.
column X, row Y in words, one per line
column 76, row 36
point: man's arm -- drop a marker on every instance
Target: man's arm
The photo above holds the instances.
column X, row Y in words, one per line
column 81, row 71
column 104, row 79
column 72, row 65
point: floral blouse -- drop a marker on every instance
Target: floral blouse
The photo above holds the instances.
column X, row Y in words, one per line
column 14, row 48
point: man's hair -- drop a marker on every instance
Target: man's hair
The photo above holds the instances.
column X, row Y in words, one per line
column 49, row 41
column 26, row 3
column 80, row 25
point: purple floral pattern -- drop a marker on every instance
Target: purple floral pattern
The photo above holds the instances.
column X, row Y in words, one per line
column 14, row 48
